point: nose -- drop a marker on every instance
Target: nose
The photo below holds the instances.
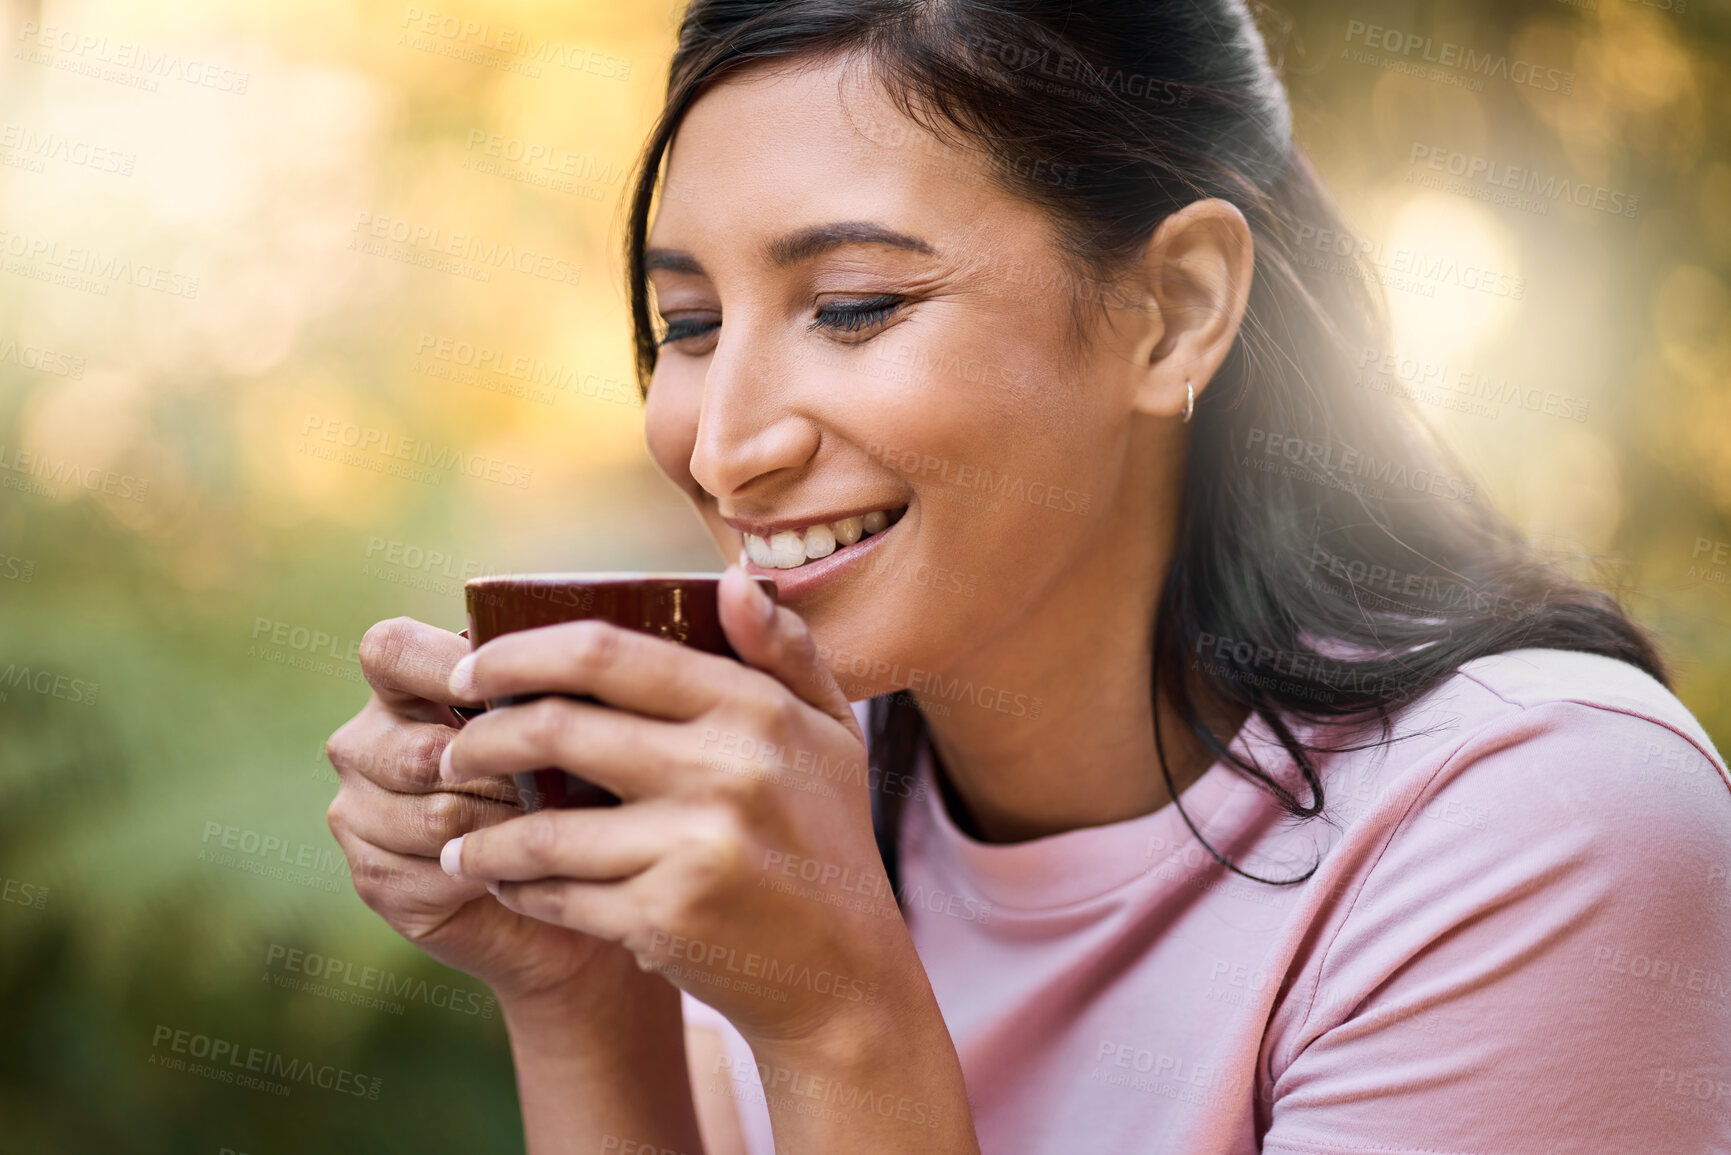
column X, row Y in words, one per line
column 748, row 428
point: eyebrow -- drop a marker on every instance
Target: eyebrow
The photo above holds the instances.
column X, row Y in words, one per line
column 801, row 245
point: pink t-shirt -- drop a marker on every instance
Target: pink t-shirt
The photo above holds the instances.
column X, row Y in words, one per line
column 1518, row 940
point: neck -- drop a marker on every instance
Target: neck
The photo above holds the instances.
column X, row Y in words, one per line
column 1057, row 730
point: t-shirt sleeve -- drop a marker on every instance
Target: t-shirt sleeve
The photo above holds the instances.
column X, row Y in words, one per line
column 1537, row 959
column 736, row 1077
column 700, row 1014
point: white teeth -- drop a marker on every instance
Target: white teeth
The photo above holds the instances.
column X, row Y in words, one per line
column 819, row 542
column 791, row 548
column 744, row 556
column 787, row 549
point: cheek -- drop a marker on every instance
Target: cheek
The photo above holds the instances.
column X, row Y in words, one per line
column 1009, row 474
column 670, row 428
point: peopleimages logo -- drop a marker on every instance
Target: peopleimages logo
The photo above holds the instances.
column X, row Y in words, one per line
column 802, row 1090
column 757, row 973
column 319, row 974
column 1405, row 45
column 417, row 559
column 227, row 1062
column 86, row 268
column 1472, row 169
column 40, row 359
column 40, row 147
column 552, row 158
column 469, row 255
column 48, row 683
column 307, row 856
column 1717, row 568
column 1401, row 267
column 981, row 479
column 57, row 471
column 138, row 65
column 1341, row 465
column 383, row 451
column 930, row 683
column 23, row 893
column 533, row 372
column 1462, row 389
column 464, row 36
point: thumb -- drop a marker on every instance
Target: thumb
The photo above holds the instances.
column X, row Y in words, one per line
column 774, row 639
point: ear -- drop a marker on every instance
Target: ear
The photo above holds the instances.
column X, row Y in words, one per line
column 1193, row 284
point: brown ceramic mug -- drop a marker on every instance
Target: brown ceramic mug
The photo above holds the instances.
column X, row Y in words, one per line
column 681, row 607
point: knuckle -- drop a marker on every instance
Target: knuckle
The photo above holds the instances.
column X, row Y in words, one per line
column 775, row 713
column 337, row 747
column 738, row 792
column 795, row 638
column 443, row 816
column 641, row 937
column 548, row 720
column 715, row 852
column 370, row 895
column 649, row 927
column 386, row 887
column 421, row 754
column 384, row 643
column 368, row 875
column 637, row 942
column 553, row 899
column 541, row 841
column 347, row 748
column 594, row 645
column 789, row 712
column 752, row 713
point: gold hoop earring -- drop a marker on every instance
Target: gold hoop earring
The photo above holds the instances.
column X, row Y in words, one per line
column 1189, row 400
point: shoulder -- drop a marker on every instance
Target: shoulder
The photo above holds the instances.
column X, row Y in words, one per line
column 1605, row 687
column 1538, row 853
column 1593, row 728
column 1538, row 764
column 1569, row 726
column 1548, row 795
column 1537, row 779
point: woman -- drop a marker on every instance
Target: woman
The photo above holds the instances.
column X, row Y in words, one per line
column 1244, row 785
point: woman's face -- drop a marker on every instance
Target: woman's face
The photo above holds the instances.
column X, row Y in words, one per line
column 862, row 323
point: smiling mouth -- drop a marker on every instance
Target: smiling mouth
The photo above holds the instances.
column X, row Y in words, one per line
column 792, row 548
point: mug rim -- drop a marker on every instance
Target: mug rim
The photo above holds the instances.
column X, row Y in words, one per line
column 595, row 577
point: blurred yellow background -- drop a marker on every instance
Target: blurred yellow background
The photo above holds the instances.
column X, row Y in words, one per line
column 309, row 311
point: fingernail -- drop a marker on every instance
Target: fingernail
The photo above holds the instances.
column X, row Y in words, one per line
column 493, row 889
column 463, row 678
column 446, row 773
column 451, row 857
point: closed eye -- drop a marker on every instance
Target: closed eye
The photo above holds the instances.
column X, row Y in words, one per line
column 841, row 317
column 857, row 316
column 685, row 328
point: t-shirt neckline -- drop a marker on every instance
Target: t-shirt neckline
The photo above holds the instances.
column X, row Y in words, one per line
column 1082, row 864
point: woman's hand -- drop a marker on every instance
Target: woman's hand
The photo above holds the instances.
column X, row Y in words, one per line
column 392, row 814
column 741, row 864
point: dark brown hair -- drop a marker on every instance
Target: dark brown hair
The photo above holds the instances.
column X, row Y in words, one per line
column 1332, row 562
